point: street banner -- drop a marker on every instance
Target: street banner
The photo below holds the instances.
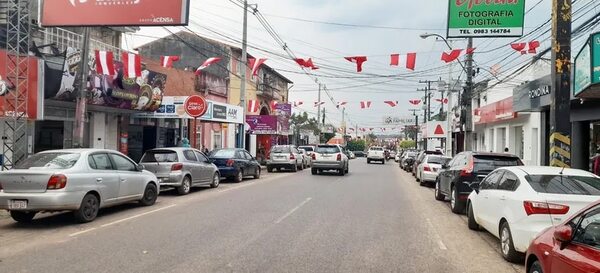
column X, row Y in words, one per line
column 261, row 124
column 476, row 18
column 283, row 111
column 77, row 13
column 34, row 109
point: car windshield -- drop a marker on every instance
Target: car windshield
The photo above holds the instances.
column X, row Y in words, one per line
column 49, row 161
column 565, row 184
column 160, row 156
column 438, row 160
column 488, row 163
column 411, row 154
column 327, row 149
column 229, row 153
column 281, row 150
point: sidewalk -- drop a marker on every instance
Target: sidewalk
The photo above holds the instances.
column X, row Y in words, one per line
column 4, row 214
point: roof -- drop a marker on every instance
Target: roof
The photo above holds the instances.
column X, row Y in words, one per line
column 541, row 170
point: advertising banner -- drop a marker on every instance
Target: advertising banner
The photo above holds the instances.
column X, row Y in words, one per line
column 582, row 73
column 261, row 124
column 394, row 120
column 34, row 89
column 476, row 18
column 283, row 111
column 76, row 13
column 173, row 107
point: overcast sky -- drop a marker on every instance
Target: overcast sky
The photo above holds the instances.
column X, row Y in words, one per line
column 327, row 44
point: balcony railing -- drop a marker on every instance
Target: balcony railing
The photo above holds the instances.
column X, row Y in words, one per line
column 268, row 91
column 62, row 39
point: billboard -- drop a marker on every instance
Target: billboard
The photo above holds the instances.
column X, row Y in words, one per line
column 173, row 107
column 283, row 111
column 261, row 124
column 476, row 18
column 586, row 77
column 57, row 13
column 34, row 89
column 395, row 120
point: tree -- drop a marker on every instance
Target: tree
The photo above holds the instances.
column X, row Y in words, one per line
column 406, row 144
column 356, row 145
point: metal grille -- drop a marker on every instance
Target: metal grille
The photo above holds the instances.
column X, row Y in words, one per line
column 63, row 39
column 17, row 71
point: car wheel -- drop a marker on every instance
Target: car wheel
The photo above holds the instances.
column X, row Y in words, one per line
column 347, row 168
column 535, row 267
column 301, row 167
column 216, row 181
column 269, row 170
column 341, row 172
column 313, row 171
column 88, row 210
column 368, row 161
column 186, row 186
column 22, row 216
column 438, row 194
column 456, row 205
column 257, row 173
column 422, row 182
column 417, row 178
column 150, row 195
column 471, row 222
column 239, row 177
column 295, row 168
column 506, row 244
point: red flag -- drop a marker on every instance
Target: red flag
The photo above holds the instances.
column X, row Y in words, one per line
column 454, row 54
column 365, row 104
column 273, row 104
column 391, row 103
column 298, row 103
column 444, row 101
column 207, row 63
column 104, row 63
column 308, row 63
column 415, row 101
column 470, row 50
column 395, row 60
column 341, row 103
column 533, row 45
column 132, row 65
column 410, row 60
column 359, row 60
column 519, row 47
column 167, row 61
column 253, row 106
column 255, row 65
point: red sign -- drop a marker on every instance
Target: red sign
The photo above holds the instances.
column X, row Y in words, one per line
column 55, row 13
column 10, row 108
column 497, row 111
column 195, row 106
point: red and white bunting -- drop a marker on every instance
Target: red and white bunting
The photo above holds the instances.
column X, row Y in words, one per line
column 132, row 65
column 341, row 103
column 207, row 63
column 444, row 101
column 391, row 103
column 167, row 61
column 255, row 65
column 308, row 63
column 351, row 129
column 298, row 103
column 319, row 103
column 253, row 106
column 382, row 129
column 273, row 104
column 411, row 59
column 104, row 63
column 452, row 56
column 358, row 60
column 365, row 104
column 525, row 48
column 414, row 101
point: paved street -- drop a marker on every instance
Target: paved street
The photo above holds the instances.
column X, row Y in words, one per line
column 377, row 219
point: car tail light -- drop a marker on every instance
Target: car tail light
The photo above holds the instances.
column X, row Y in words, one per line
column 426, row 168
column 268, row 156
column 533, row 207
column 292, row 157
column 468, row 170
column 339, row 157
column 56, row 182
column 177, row 167
column 230, row 162
column 314, row 156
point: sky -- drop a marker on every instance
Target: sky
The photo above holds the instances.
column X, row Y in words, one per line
column 327, row 44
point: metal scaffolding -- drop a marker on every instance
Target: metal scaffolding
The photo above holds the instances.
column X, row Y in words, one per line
column 17, row 70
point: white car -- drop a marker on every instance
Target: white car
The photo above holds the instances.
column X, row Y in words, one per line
column 376, row 154
column 517, row 203
column 306, row 158
column 429, row 169
column 330, row 157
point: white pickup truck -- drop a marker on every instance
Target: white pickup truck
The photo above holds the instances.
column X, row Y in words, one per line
column 376, row 154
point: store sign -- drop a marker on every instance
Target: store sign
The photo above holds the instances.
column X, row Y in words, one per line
column 261, row 124
column 56, row 13
column 394, row 120
column 195, row 106
column 34, row 89
column 539, row 92
column 586, row 82
column 173, row 107
column 485, row 18
column 497, row 111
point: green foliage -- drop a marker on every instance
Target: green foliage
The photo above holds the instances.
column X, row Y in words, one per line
column 405, row 144
column 357, row 145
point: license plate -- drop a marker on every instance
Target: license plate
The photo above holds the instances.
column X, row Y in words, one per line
column 17, row 204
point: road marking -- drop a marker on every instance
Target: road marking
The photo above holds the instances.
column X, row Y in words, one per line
column 292, row 210
column 438, row 238
column 136, row 216
column 81, row 232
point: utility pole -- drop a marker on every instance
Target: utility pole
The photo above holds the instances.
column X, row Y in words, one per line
column 414, row 111
column 427, row 114
column 81, row 106
column 344, row 121
column 319, row 107
column 451, row 87
column 560, row 124
column 467, row 98
column 242, row 130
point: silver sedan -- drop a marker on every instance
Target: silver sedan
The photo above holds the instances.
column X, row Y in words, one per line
column 78, row 180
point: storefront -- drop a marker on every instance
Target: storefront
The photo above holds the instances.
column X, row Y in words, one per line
column 265, row 131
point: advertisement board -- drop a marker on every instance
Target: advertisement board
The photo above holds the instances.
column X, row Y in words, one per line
column 283, row 111
column 261, row 124
column 62, row 13
column 173, row 107
column 586, row 75
column 394, row 120
column 34, row 89
column 476, row 18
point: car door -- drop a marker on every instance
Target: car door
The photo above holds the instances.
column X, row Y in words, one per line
column 446, row 173
column 451, row 173
column 103, row 173
column 241, row 162
column 191, row 164
column 131, row 183
column 485, row 207
column 252, row 163
column 583, row 253
column 502, row 199
column 205, row 166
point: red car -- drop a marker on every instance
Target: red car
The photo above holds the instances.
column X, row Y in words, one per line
column 570, row 247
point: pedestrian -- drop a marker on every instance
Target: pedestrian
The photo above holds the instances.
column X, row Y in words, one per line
column 596, row 163
column 206, row 150
column 185, row 143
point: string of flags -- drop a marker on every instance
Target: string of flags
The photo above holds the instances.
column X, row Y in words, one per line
column 525, row 48
column 366, row 104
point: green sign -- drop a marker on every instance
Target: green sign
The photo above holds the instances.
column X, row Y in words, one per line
column 583, row 70
column 485, row 18
column 595, row 41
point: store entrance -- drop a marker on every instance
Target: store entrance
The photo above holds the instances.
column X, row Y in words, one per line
column 49, row 135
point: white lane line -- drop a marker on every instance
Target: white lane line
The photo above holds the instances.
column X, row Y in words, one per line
column 136, row 216
column 81, row 232
column 440, row 243
column 292, row 210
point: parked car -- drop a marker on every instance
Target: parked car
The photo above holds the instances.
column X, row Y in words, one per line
column 308, row 148
column 407, row 160
column 306, row 158
column 430, row 168
column 398, row 157
column 572, row 246
column 376, row 153
column 393, row 154
column 359, row 153
column 330, row 157
column 420, row 158
column 235, row 164
column 284, row 157
column 516, row 203
column 465, row 168
column 79, row 180
column 181, row 168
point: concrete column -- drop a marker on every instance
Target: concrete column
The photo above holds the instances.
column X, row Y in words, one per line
column 98, row 130
column 253, row 145
column 580, row 141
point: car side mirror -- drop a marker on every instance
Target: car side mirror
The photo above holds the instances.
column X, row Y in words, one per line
column 474, row 186
column 563, row 234
column 139, row 167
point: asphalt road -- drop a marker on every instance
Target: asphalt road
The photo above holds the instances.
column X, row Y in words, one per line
column 376, row 219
